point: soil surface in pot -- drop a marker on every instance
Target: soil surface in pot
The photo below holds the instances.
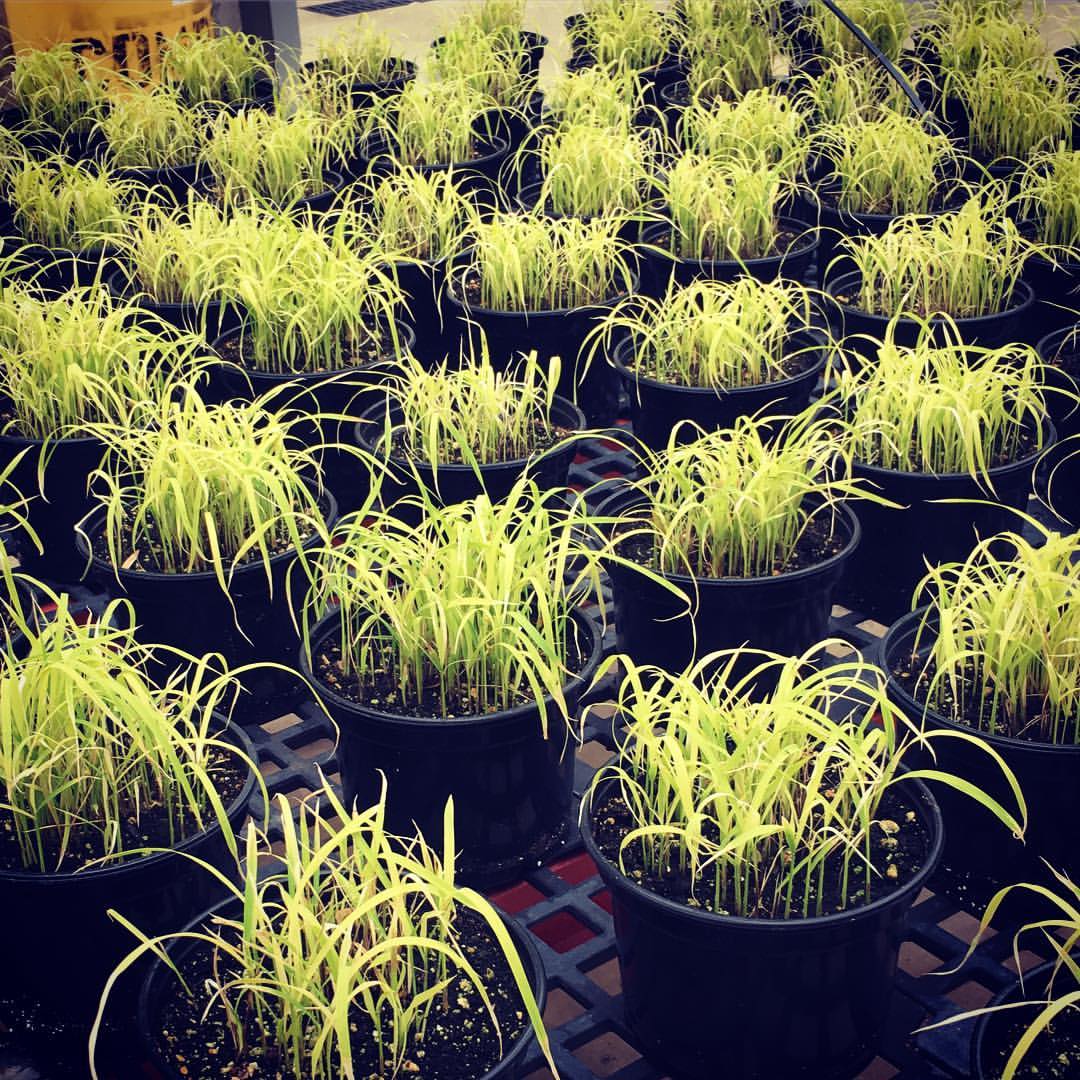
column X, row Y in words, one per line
column 788, row 242
column 816, row 544
column 854, row 300
column 1026, row 445
column 542, row 438
column 896, row 855
column 149, row 557
column 149, row 828
column 380, row 689
column 460, row 1042
column 359, row 354
column 1067, row 358
column 790, row 367
column 471, row 283
column 1055, row 1054
column 916, row 677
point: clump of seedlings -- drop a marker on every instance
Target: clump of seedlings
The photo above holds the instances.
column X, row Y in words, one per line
column 489, row 63
column 606, row 96
column 731, row 58
column 521, row 263
column 761, row 127
column 262, row 157
column 589, row 170
column 723, row 335
column 885, row 22
column 436, row 620
column 151, row 129
column 502, row 19
column 207, row 487
column 58, row 88
column 84, row 358
column 968, row 36
column 740, row 502
column 1049, row 196
column 59, row 204
column 1012, row 112
column 724, row 210
column 889, row 165
column 1005, row 623
column 443, row 123
column 789, row 806
column 471, row 413
column 97, row 762
column 848, row 91
column 635, row 34
column 360, row 54
column 215, row 67
column 944, row 409
column 358, row 954
column 964, row 263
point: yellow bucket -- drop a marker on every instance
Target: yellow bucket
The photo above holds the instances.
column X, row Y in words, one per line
column 123, row 35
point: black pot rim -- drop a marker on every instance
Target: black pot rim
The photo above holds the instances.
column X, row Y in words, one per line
column 695, row 582
column 1026, row 293
column 119, row 870
column 458, row 272
column 1047, row 345
column 629, row 373
column 528, row 198
column 325, row 627
column 820, row 195
column 404, row 76
column 807, row 241
column 996, row 471
column 406, row 337
column 123, row 286
column 27, row 441
column 506, row 1067
column 93, row 520
column 378, row 145
column 906, row 624
column 374, row 412
column 931, row 816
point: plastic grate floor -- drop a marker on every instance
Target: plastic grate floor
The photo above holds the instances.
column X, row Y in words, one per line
column 566, row 908
column 354, row 7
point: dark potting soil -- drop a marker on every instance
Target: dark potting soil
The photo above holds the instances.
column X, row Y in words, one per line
column 817, row 543
column 1025, row 446
column 896, row 856
column 787, row 242
column 1055, row 1054
column 916, row 674
column 471, row 282
column 542, row 437
column 790, row 366
column 147, row 828
column 360, row 354
column 459, row 1043
column 149, row 558
column 380, row 689
column 1068, row 359
column 854, row 300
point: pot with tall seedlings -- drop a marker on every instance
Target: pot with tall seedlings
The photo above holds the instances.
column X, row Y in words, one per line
column 412, row 224
column 365, row 60
column 762, row 854
column 713, row 351
column 318, row 331
column 109, row 781
column 744, row 534
column 957, row 275
column 452, row 655
column 848, row 90
column 461, row 430
column 723, row 220
column 219, row 70
column 531, row 282
column 440, row 127
column 886, row 23
column 199, row 517
column 347, row 950
column 1058, row 478
column 993, row 654
column 66, row 365
column 953, row 434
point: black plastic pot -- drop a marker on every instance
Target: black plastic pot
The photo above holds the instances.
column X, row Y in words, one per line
column 178, row 180
column 58, row 504
column 989, row 331
column 160, row 981
column 793, row 264
column 458, row 483
column 189, row 611
column 53, row 270
column 801, row 999
column 560, row 332
column 528, row 198
column 423, row 283
column 657, row 407
column 365, row 94
column 926, row 531
column 1057, row 292
column 342, row 393
column 512, row 788
column 978, row 847
column 58, row 941
column 786, row 613
column 211, row 321
column 314, row 205
column 1057, row 479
